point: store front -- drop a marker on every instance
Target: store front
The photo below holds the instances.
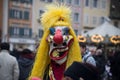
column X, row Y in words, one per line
column 21, row 43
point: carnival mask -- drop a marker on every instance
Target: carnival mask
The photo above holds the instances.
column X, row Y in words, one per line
column 60, row 41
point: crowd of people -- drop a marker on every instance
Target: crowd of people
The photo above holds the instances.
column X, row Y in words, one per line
column 17, row 65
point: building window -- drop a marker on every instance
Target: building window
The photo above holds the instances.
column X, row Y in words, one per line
column 69, row 1
column 76, row 17
column 103, row 4
column 42, row 0
column 86, row 2
column 50, row 1
column 14, row 14
column 11, row 30
column 94, row 20
column 76, row 2
column 101, row 20
column 41, row 12
column 60, row 1
column 26, row 32
column 26, row 15
column 40, row 33
column 14, row 31
column 26, row 1
column 21, row 32
column 95, row 3
column 21, row 14
column 18, row 14
column 11, row 14
column 15, row 0
column 86, row 19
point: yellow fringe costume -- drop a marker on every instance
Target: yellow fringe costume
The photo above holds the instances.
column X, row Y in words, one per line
column 50, row 19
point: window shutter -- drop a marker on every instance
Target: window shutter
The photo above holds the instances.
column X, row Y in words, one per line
column 30, row 32
column 21, row 32
column 11, row 31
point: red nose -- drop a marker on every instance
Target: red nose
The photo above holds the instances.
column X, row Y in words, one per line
column 58, row 38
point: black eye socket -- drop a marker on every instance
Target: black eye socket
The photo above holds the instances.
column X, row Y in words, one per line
column 64, row 44
column 52, row 31
column 54, row 44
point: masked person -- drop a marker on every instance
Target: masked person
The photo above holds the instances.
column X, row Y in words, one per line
column 59, row 46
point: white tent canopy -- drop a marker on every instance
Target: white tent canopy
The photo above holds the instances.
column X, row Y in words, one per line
column 105, row 29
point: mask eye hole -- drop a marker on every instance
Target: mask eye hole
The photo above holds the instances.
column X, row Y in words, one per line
column 54, row 44
column 64, row 44
column 52, row 31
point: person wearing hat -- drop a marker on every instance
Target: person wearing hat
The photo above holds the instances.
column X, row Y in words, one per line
column 25, row 61
column 59, row 46
column 81, row 71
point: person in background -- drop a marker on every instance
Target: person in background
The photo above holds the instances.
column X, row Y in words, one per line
column 100, row 63
column 9, row 69
column 109, row 59
column 25, row 61
column 86, row 55
column 81, row 71
column 115, row 65
column 15, row 53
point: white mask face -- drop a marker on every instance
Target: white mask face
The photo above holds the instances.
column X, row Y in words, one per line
column 60, row 41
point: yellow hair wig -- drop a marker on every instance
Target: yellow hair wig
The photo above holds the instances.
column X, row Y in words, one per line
column 51, row 19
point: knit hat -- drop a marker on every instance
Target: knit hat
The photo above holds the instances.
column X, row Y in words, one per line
column 26, row 53
column 82, row 70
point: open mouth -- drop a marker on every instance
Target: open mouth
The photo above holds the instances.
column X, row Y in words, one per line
column 59, row 53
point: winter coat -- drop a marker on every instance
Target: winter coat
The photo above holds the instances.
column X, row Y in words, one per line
column 8, row 66
column 88, row 58
column 25, row 66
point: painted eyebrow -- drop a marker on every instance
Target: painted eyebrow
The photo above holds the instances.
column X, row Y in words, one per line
column 66, row 30
column 52, row 31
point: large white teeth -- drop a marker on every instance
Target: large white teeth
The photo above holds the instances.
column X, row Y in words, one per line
column 58, row 50
column 62, row 50
column 66, row 48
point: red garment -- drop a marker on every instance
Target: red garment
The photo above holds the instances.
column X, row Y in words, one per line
column 29, row 56
column 58, row 70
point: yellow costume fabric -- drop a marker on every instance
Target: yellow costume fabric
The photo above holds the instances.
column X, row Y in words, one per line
column 50, row 19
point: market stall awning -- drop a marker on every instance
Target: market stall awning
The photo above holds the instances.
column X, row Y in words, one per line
column 105, row 29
